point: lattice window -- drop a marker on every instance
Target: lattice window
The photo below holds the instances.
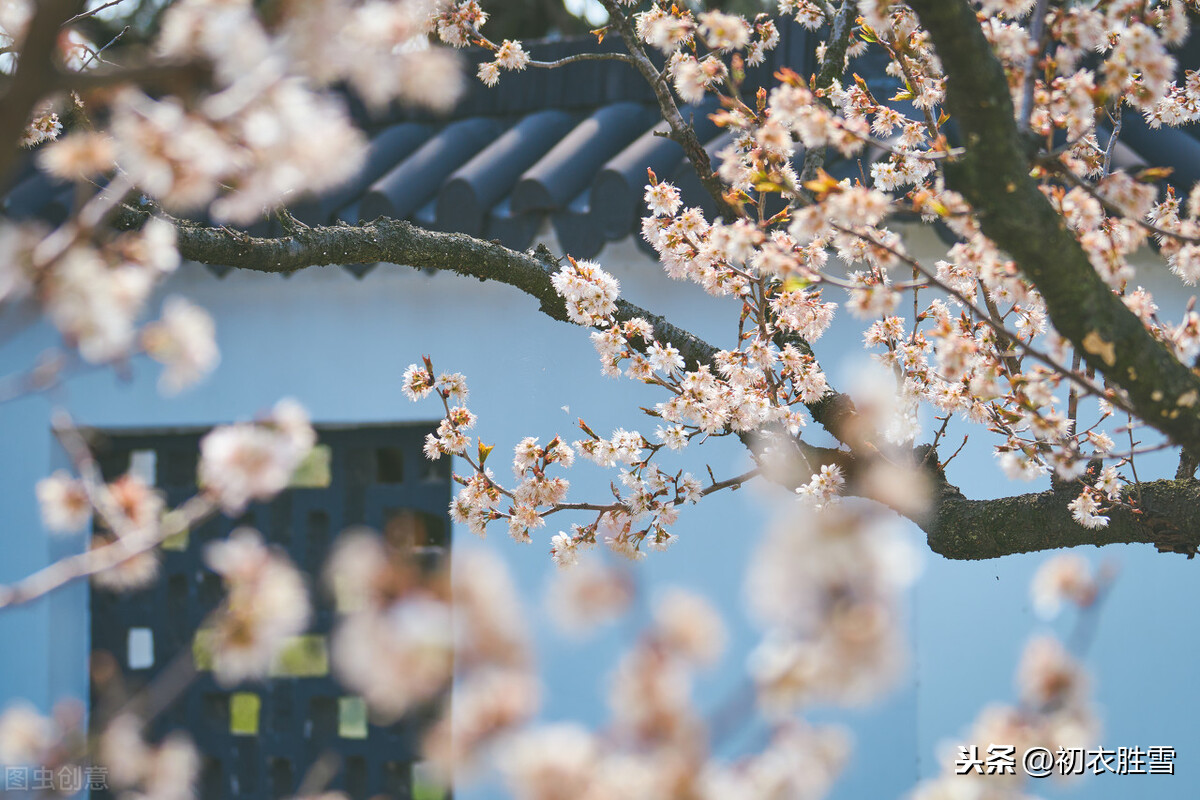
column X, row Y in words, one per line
column 260, row 739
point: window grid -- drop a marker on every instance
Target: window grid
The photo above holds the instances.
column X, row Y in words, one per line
column 259, row 739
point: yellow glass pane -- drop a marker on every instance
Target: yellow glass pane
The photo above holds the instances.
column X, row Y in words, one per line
column 243, row 713
column 178, row 541
column 352, row 718
column 302, row 657
column 202, row 649
column 314, row 471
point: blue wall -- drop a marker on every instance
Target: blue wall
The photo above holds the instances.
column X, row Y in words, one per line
column 339, row 345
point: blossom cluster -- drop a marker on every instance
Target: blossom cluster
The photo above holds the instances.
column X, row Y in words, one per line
column 397, row 645
column 266, row 605
column 250, row 131
column 826, row 583
column 975, row 352
column 642, row 511
column 459, row 24
column 261, row 136
column 96, row 292
column 247, row 461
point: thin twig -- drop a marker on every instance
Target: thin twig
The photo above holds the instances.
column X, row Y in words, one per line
column 1083, row 382
column 1112, row 142
column 1037, row 25
column 92, row 13
column 955, row 453
column 1137, row 484
column 562, row 62
column 128, row 544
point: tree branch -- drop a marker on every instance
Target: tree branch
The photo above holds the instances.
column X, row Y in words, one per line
column 35, row 76
column 957, row 527
column 978, row 529
column 681, row 132
column 993, row 174
column 833, row 66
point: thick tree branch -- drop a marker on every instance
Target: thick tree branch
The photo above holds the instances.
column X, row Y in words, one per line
column 398, row 242
column 977, row 529
column 993, row 175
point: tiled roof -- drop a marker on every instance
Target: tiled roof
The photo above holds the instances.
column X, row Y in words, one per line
column 569, row 145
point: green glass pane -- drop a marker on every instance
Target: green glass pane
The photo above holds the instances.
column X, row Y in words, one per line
column 424, row 785
column 314, row 471
column 352, row 718
column 302, row 657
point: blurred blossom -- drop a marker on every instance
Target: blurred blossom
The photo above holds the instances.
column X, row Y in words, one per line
column 550, row 762
column 397, row 657
column 905, row 487
column 255, row 461
column 17, row 271
column 1048, row 676
column 589, row 594
column 491, row 622
column 82, row 155
column 184, row 341
column 137, row 770
column 828, row 584
column 26, row 737
column 266, row 604
column 64, row 503
column 404, row 629
column 799, row 763
column 487, row 705
column 1063, row 578
column 688, row 625
column 650, row 697
column 94, row 295
column 137, row 505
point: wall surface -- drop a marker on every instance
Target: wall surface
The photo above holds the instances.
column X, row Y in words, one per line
column 339, row 345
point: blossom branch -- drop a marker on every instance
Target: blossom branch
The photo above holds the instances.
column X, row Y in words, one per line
column 955, row 525
column 681, row 132
column 993, row 175
column 73, row 568
column 1005, row 337
column 35, row 75
column 832, row 68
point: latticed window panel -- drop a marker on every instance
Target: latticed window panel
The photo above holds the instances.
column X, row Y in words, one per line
column 263, row 739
